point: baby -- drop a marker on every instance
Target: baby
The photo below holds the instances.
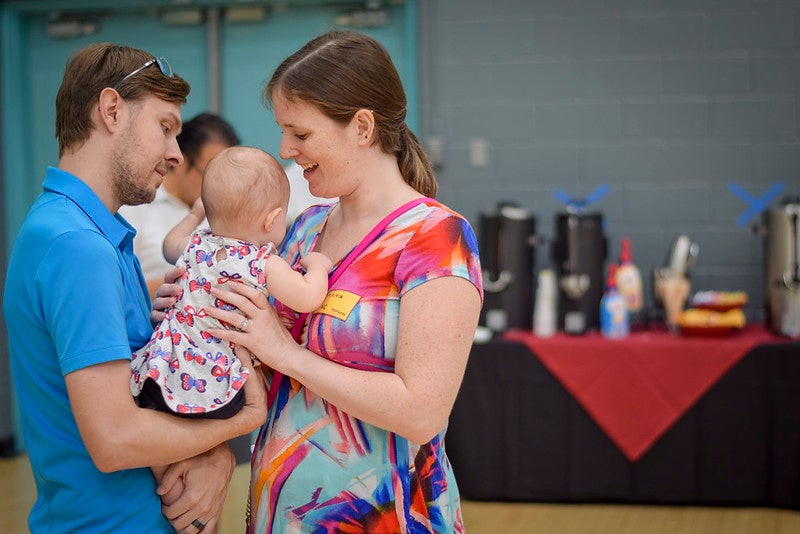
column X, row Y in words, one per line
column 183, row 369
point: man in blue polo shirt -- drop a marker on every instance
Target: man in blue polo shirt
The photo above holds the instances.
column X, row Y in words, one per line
column 76, row 306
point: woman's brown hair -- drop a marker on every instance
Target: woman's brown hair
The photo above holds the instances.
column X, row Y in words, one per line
column 341, row 72
column 101, row 65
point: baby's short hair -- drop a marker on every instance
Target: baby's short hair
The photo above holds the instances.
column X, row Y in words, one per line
column 241, row 183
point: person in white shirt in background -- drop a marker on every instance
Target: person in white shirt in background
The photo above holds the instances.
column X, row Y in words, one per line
column 201, row 138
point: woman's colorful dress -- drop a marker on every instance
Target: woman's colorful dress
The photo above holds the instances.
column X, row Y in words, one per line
column 316, row 468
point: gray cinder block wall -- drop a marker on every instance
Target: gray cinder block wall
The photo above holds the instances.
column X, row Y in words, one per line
column 667, row 102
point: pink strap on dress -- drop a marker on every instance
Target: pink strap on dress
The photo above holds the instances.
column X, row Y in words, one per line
column 373, row 234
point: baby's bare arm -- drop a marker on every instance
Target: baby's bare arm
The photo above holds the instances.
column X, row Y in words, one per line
column 301, row 292
column 177, row 239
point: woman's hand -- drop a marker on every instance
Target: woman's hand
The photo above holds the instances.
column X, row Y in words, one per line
column 258, row 327
column 166, row 295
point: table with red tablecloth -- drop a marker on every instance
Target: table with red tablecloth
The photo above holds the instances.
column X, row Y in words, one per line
column 654, row 417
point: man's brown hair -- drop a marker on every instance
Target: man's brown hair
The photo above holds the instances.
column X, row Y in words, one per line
column 100, row 65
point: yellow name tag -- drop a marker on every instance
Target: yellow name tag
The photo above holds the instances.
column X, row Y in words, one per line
column 339, row 304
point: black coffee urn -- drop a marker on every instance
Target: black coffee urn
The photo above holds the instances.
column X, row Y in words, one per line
column 579, row 251
column 507, row 249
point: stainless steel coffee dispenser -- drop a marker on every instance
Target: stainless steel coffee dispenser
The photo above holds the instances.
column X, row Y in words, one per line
column 579, row 252
column 782, row 267
column 507, row 248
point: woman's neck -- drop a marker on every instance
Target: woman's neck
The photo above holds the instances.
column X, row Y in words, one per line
column 380, row 190
column 356, row 215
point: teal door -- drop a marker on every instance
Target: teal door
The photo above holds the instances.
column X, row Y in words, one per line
column 35, row 51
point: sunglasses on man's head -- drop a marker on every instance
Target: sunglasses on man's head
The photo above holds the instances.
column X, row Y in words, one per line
column 163, row 66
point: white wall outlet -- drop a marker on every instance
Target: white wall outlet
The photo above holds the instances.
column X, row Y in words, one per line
column 479, row 153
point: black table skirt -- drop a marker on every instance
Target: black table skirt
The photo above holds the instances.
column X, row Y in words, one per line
column 516, row 434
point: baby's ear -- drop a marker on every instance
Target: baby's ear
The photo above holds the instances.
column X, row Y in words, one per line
column 273, row 217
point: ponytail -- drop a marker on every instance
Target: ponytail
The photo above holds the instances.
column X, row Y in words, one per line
column 414, row 164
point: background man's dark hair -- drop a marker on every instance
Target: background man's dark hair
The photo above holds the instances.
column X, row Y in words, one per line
column 203, row 129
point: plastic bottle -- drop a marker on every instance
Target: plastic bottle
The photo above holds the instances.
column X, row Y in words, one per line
column 545, row 318
column 614, row 319
column 629, row 279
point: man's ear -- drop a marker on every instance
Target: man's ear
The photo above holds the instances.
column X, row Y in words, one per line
column 110, row 106
column 273, row 217
column 364, row 121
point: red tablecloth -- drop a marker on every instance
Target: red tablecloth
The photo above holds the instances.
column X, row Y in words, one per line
column 636, row 388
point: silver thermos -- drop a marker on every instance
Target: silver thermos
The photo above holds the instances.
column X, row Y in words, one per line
column 782, row 267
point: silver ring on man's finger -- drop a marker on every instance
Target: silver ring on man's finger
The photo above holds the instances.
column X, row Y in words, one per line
column 245, row 324
column 199, row 525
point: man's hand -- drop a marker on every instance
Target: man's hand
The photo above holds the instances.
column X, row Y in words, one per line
column 166, row 295
column 205, row 479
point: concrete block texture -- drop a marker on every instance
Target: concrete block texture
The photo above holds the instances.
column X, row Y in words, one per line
column 666, row 102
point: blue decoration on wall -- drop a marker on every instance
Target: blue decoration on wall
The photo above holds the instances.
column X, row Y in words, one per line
column 755, row 204
column 579, row 205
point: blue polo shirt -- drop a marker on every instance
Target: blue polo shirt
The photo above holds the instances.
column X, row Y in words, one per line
column 75, row 297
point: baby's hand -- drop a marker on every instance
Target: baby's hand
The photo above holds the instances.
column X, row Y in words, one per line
column 317, row 259
column 198, row 210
